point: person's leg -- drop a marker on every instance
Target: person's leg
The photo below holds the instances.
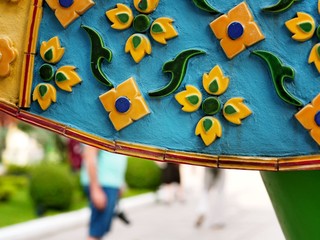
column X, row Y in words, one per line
column 100, row 221
column 216, row 211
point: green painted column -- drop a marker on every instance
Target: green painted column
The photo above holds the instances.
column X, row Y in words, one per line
column 296, row 200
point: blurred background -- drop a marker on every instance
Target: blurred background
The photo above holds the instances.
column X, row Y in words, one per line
column 40, row 186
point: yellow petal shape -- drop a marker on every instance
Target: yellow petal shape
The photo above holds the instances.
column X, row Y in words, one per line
column 121, row 17
column 66, row 15
column 51, row 51
column 8, row 54
column 136, row 109
column 215, row 83
column 319, row 6
column 190, row 99
column 294, row 26
column 314, row 56
column 209, row 128
column 235, row 110
column 306, row 117
column 45, row 94
column 66, row 78
column 162, row 29
column 138, row 45
column 146, row 6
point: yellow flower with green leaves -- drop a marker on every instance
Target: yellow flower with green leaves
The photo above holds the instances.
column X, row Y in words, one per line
column 138, row 44
column 303, row 28
column 215, row 84
column 51, row 51
column 65, row 77
column 45, row 94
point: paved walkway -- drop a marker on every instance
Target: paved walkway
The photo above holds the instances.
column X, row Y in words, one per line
column 249, row 215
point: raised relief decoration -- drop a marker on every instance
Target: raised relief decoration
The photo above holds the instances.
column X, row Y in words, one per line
column 210, row 112
column 236, row 30
column 7, row 56
column 125, row 104
column 65, row 77
column 279, row 73
column 98, row 53
column 303, row 28
column 280, row 6
column 178, row 68
column 205, row 6
column 138, row 44
column 215, row 84
column 68, row 11
column 309, row 117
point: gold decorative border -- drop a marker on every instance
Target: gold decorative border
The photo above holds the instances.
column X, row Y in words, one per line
column 311, row 162
column 35, row 15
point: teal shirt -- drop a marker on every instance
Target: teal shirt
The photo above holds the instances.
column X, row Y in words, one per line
column 111, row 170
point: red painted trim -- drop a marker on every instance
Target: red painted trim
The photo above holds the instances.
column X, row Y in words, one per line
column 40, row 122
column 258, row 165
column 30, row 41
column 299, row 163
column 264, row 164
column 185, row 156
column 87, row 139
column 159, row 155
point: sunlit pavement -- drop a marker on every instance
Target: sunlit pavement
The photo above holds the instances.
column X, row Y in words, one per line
column 248, row 215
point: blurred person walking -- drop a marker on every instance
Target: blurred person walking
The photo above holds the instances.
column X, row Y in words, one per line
column 171, row 188
column 210, row 210
column 103, row 176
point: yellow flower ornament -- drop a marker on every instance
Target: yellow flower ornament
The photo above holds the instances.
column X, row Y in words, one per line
column 65, row 77
column 51, row 51
column 146, row 6
column 209, row 128
column 67, row 11
column 7, row 55
column 215, row 83
column 45, row 94
column 125, row 104
column 236, row 30
column 309, row 117
column 303, row 28
column 138, row 44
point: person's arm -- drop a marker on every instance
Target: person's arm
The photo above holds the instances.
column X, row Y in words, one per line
column 98, row 197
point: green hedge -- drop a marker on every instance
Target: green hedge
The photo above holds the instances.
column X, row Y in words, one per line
column 9, row 185
column 143, row 174
column 51, row 187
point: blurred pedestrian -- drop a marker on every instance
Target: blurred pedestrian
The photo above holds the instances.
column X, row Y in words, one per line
column 171, row 188
column 210, row 210
column 74, row 154
column 102, row 176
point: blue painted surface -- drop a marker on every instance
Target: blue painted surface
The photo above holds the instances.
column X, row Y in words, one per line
column 271, row 130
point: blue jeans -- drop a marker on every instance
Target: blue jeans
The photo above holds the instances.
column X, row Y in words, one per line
column 100, row 220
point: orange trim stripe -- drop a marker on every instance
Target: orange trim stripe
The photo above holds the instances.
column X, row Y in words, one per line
column 153, row 153
column 35, row 16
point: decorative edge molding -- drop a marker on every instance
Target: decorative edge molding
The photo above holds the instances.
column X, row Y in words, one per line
column 294, row 163
column 35, row 16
